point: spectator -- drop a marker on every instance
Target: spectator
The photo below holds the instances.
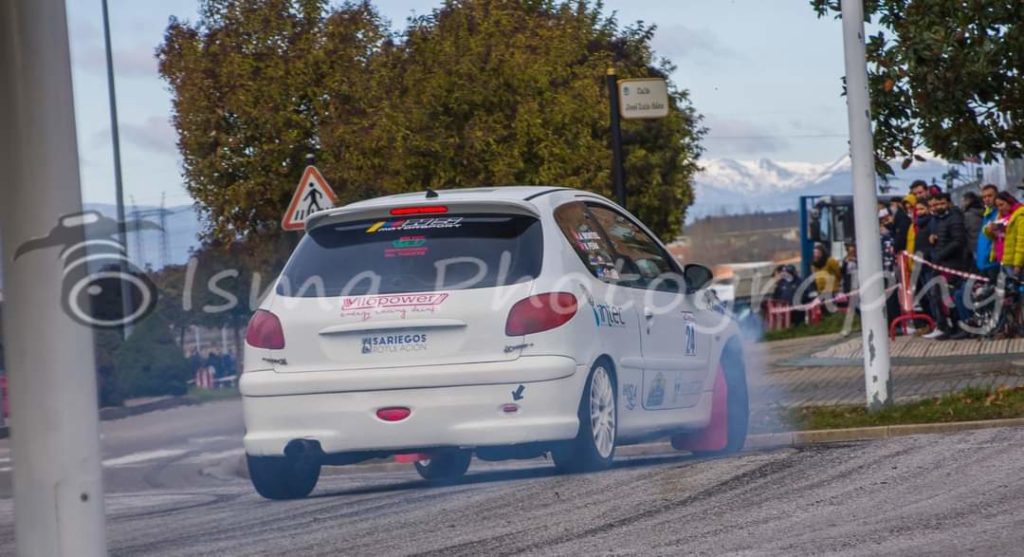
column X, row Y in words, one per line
column 825, row 270
column 899, row 224
column 983, row 257
column 195, row 361
column 919, row 188
column 227, row 364
column 848, row 269
column 885, row 226
column 948, row 240
column 910, row 204
column 1007, row 233
column 215, row 362
column 974, row 213
column 787, row 284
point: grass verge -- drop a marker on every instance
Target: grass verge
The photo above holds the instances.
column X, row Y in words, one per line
column 830, row 324
column 204, row 395
column 964, row 406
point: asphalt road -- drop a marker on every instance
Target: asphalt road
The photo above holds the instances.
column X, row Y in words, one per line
column 174, row 491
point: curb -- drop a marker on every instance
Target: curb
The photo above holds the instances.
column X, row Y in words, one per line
column 118, row 412
column 798, row 439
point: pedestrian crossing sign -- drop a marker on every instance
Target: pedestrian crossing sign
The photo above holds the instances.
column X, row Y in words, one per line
column 313, row 194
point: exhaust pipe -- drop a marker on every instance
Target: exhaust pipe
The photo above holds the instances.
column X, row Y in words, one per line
column 303, row 449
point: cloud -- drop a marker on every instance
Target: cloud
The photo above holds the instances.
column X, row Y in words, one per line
column 138, row 61
column 739, row 137
column 700, row 46
column 155, row 134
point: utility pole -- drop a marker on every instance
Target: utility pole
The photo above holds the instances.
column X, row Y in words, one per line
column 874, row 332
column 618, row 174
column 115, row 136
column 55, row 447
column 165, row 246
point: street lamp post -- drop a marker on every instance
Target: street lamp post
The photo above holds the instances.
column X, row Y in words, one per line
column 874, row 332
column 115, row 136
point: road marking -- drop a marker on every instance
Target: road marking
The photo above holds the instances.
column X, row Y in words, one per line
column 137, row 458
column 5, row 469
column 211, row 457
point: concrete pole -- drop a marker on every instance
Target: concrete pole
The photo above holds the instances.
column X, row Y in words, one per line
column 58, row 491
column 865, row 210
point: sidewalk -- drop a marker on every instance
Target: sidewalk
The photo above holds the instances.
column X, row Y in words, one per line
column 829, row 369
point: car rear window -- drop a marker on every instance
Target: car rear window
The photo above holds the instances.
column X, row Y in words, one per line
column 422, row 254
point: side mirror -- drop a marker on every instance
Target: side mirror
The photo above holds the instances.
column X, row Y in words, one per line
column 697, row 277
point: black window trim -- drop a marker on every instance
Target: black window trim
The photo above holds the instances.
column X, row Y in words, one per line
column 657, row 243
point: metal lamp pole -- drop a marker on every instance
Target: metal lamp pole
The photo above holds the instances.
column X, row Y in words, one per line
column 865, row 203
column 115, row 136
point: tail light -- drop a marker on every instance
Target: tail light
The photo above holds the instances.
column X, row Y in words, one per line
column 264, row 331
column 539, row 313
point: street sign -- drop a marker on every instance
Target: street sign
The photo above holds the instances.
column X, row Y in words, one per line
column 313, row 194
column 641, row 99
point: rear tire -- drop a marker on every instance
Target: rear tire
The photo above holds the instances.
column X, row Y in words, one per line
column 593, row 448
column 281, row 478
column 444, row 467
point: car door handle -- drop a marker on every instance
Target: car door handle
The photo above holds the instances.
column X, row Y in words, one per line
column 648, row 313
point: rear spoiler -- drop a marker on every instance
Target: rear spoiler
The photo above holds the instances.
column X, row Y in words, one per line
column 406, row 209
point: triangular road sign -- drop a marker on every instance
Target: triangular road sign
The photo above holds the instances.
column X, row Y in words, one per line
column 312, row 194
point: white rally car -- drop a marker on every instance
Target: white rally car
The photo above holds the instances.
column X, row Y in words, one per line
column 504, row 322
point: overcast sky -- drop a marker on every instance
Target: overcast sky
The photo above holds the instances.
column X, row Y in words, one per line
column 764, row 73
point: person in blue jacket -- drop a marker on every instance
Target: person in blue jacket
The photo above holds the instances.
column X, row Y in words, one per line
column 983, row 259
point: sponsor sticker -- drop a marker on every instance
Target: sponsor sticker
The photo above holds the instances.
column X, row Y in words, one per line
column 608, row 316
column 629, row 393
column 392, row 305
column 656, row 396
column 394, row 344
column 409, row 242
column 415, row 224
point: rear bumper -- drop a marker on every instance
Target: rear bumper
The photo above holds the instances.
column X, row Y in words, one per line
column 455, row 416
column 525, row 369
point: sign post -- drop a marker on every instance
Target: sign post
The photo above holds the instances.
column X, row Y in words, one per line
column 313, row 194
column 618, row 173
column 631, row 99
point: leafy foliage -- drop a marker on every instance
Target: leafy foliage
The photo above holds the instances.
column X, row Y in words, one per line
column 479, row 92
column 150, row 362
column 946, row 75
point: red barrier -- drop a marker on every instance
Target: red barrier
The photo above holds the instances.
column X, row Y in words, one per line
column 906, row 298
column 779, row 315
column 205, row 379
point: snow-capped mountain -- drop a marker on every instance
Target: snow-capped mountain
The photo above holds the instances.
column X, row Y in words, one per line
column 728, row 186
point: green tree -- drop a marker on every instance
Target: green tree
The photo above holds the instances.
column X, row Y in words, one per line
column 499, row 92
column 945, row 75
column 479, row 92
column 150, row 362
column 253, row 82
